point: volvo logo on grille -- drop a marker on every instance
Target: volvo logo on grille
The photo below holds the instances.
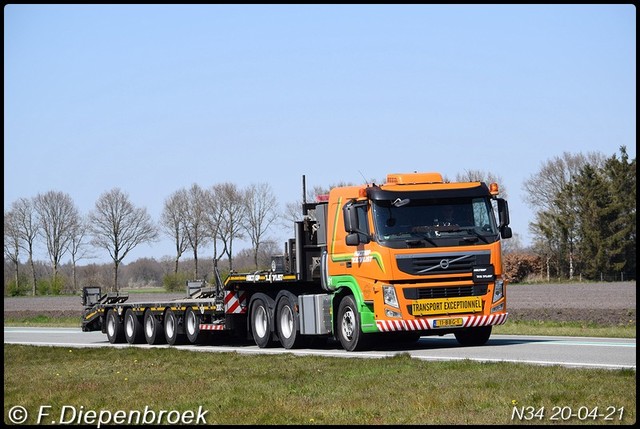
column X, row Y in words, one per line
column 444, row 264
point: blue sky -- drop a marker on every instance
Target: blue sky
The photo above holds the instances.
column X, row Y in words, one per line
column 154, row 98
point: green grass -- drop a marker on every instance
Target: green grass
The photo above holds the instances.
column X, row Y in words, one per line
column 42, row 320
column 307, row 390
column 571, row 329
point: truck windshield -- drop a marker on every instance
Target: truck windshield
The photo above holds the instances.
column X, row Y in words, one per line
column 430, row 222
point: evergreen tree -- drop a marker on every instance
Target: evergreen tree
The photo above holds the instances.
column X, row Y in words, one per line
column 595, row 215
column 621, row 178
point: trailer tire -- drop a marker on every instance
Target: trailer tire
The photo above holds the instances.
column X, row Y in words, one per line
column 261, row 324
column 192, row 326
column 115, row 331
column 349, row 331
column 171, row 328
column 133, row 331
column 473, row 336
column 287, row 323
column 153, row 329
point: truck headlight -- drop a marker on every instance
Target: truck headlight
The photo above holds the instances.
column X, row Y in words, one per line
column 498, row 290
column 389, row 294
column 391, row 313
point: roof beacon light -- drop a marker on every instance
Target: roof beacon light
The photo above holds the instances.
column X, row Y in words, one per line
column 493, row 189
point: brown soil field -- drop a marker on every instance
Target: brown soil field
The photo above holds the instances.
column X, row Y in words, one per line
column 603, row 303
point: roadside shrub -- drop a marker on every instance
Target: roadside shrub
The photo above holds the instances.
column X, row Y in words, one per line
column 519, row 266
column 175, row 282
column 50, row 286
column 21, row 288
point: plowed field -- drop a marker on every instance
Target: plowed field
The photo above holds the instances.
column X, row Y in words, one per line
column 603, row 303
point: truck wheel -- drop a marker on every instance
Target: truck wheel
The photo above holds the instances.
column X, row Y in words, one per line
column 473, row 336
column 171, row 328
column 287, row 324
column 261, row 324
column 153, row 329
column 132, row 328
column 349, row 332
column 192, row 326
column 115, row 332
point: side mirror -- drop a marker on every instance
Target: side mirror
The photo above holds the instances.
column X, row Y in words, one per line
column 503, row 213
column 356, row 235
column 356, row 238
column 505, row 232
column 352, row 239
column 350, row 218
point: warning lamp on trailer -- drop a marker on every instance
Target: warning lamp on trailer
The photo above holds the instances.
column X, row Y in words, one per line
column 493, row 189
column 322, row 198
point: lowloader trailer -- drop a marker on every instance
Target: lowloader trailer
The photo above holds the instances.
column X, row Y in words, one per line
column 414, row 256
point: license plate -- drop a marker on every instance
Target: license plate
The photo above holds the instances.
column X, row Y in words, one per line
column 424, row 307
column 445, row 323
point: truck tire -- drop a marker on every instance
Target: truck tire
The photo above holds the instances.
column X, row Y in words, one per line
column 133, row 331
column 349, row 331
column 171, row 328
column 261, row 324
column 115, row 331
column 153, row 329
column 192, row 326
column 288, row 324
column 473, row 336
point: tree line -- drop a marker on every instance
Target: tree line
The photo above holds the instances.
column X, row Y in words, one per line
column 584, row 209
column 585, row 217
column 192, row 218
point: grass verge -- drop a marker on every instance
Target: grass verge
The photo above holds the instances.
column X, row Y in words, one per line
column 286, row 389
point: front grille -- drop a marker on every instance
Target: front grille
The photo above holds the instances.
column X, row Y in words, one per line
column 442, row 263
column 445, row 291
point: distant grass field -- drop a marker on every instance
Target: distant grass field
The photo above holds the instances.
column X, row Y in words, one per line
column 234, row 389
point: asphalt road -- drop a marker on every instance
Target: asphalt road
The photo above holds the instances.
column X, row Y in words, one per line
column 578, row 352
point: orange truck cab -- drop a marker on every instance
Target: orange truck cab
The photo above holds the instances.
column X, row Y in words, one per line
column 415, row 256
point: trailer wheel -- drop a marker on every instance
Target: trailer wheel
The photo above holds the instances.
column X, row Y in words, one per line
column 349, row 332
column 171, row 328
column 261, row 324
column 115, row 332
column 153, row 329
column 473, row 336
column 132, row 328
column 287, row 324
column 192, row 326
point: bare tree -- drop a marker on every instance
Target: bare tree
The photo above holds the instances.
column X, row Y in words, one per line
column 77, row 248
column 214, row 213
column 172, row 221
column 195, row 221
column 260, row 206
column 12, row 241
column 233, row 210
column 118, row 227
column 28, row 229
column 482, row 176
column 544, row 186
column 58, row 218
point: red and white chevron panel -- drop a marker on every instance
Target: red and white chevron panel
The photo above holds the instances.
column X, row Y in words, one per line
column 426, row 324
column 235, row 302
column 211, row 327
